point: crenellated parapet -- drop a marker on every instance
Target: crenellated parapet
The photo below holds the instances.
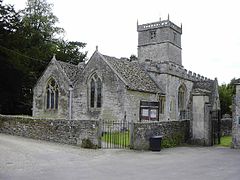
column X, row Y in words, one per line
column 175, row 70
column 159, row 24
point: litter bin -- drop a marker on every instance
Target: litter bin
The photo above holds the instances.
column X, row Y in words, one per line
column 155, row 143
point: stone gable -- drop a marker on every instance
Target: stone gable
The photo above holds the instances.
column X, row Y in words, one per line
column 39, row 98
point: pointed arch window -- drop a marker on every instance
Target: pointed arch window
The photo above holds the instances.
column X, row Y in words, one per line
column 95, row 92
column 181, row 98
column 92, row 96
column 52, row 95
column 99, row 93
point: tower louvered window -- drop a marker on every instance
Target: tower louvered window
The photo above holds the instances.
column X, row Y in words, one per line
column 152, row 34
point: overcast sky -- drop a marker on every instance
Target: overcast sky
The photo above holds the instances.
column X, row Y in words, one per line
column 210, row 39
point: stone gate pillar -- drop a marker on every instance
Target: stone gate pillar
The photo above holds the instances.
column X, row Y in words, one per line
column 236, row 117
column 201, row 120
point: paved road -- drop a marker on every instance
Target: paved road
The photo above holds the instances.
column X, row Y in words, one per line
column 27, row 159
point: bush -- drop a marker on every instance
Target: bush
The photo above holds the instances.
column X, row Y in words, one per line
column 87, row 143
column 172, row 141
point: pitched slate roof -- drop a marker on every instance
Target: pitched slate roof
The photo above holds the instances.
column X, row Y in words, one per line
column 133, row 75
column 69, row 69
column 237, row 81
column 204, row 85
column 202, row 91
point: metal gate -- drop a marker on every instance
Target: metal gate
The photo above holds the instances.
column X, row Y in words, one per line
column 216, row 126
column 115, row 134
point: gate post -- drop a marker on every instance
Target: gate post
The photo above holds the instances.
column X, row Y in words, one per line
column 236, row 117
column 100, row 133
column 208, row 124
column 201, row 122
column 219, row 127
column 131, row 134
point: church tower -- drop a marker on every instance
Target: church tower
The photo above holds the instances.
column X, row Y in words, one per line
column 160, row 41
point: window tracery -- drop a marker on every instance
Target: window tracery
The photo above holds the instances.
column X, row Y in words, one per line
column 95, row 92
column 52, row 95
column 181, row 98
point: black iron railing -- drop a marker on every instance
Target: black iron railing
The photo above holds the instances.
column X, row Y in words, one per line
column 115, row 134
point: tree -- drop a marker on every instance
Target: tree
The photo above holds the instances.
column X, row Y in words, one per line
column 40, row 22
column 226, row 92
column 70, row 51
column 11, row 77
column 133, row 57
column 28, row 40
column 9, row 20
column 40, row 31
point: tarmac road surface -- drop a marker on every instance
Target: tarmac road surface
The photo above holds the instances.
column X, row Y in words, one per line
column 28, row 159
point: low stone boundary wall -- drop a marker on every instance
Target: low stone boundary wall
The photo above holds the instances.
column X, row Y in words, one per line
column 226, row 126
column 77, row 132
column 85, row 133
column 174, row 133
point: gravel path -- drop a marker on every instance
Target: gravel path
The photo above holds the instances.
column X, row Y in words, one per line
column 27, row 159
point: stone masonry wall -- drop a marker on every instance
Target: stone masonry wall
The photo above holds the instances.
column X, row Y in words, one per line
column 164, row 46
column 170, row 85
column 163, row 51
column 113, row 93
column 132, row 103
column 174, row 133
column 39, row 94
column 73, row 132
column 236, row 119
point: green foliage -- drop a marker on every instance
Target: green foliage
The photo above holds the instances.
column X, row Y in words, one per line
column 226, row 141
column 118, row 138
column 172, row 141
column 70, row 51
column 9, row 19
column 11, row 78
column 87, row 143
column 226, row 92
column 39, row 21
column 28, row 40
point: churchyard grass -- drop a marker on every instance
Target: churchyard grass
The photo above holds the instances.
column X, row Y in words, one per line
column 226, row 141
column 118, row 138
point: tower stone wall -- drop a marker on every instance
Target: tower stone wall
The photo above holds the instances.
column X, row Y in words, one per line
column 160, row 42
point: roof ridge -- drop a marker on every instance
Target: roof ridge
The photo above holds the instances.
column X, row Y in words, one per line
column 132, row 74
column 70, row 70
column 63, row 71
column 105, row 60
column 68, row 63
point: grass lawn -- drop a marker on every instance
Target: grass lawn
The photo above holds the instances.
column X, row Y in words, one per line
column 118, row 138
column 226, row 141
column 123, row 139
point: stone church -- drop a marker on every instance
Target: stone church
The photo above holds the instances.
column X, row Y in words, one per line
column 153, row 87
